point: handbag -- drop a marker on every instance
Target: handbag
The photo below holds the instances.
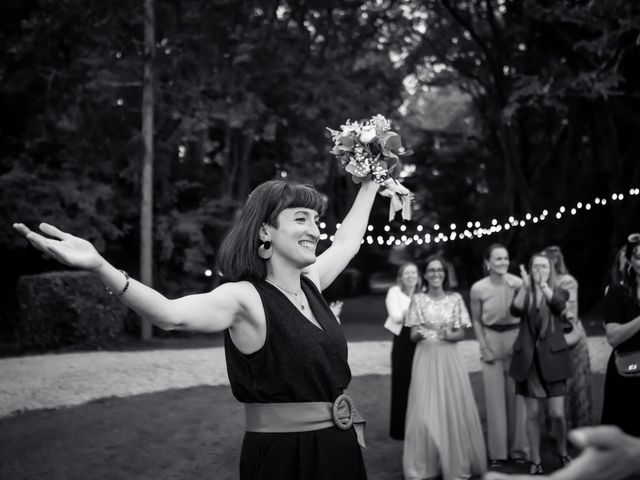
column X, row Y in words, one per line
column 628, row 363
column 573, row 331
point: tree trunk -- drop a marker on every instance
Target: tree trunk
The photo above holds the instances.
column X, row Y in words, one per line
column 146, row 207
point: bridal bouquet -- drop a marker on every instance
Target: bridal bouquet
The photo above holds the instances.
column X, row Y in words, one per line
column 372, row 150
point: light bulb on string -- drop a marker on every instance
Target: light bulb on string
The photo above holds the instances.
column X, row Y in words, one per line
column 403, row 228
column 370, row 228
column 419, row 228
column 436, row 227
column 387, row 228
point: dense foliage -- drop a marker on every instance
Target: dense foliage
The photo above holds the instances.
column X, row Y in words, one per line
column 510, row 106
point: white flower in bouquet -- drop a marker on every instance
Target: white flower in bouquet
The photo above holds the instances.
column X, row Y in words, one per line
column 367, row 134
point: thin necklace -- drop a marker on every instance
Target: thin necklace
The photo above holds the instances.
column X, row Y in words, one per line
column 292, row 294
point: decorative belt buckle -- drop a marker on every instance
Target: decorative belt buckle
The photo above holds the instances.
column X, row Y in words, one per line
column 343, row 423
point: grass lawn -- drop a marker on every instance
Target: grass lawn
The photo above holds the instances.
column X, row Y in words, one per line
column 194, row 433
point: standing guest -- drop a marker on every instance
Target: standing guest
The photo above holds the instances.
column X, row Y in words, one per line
column 578, row 398
column 622, row 323
column 443, row 435
column 398, row 298
column 286, row 353
column 541, row 363
column 496, row 330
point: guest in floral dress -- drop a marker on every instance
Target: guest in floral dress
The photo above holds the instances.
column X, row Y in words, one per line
column 443, row 435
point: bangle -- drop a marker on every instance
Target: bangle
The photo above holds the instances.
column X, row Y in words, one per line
column 121, row 292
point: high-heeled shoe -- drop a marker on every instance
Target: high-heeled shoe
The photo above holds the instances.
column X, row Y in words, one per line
column 536, row 469
column 564, row 459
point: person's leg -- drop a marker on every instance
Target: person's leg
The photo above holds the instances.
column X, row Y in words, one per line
column 516, row 412
column 494, row 394
column 558, row 424
column 533, row 428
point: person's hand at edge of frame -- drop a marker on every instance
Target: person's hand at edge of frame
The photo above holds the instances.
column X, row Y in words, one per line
column 608, row 454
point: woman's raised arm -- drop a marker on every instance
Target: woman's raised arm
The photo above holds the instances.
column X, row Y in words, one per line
column 346, row 242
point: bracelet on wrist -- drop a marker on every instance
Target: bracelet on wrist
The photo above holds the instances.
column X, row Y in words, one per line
column 121, row 292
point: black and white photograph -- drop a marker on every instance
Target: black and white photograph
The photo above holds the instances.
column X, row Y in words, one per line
column 320, row 240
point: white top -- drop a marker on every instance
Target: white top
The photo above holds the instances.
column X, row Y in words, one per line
column 397, row 303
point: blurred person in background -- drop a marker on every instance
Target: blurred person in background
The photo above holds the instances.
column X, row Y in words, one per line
column 496, row 330
column 397, row 301
column 621, row 404
column 541, row 363
column 578, row 397
column 443, row 434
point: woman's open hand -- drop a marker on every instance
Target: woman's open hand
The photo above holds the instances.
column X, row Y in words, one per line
column 526, row 279
column 63, row 247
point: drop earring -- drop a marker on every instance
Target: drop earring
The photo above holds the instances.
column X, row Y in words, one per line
column 264, row 250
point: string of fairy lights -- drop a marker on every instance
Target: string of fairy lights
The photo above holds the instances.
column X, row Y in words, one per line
column 471, row 229
column 474, row 229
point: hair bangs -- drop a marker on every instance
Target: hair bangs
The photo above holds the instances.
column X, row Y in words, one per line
column 296, row 195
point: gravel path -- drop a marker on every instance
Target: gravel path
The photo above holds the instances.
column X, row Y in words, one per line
column 50, row 381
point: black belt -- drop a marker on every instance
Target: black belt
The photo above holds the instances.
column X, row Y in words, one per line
column 502, row 328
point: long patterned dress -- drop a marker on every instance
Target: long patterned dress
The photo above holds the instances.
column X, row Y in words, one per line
column 578, row 399
column 443, row 434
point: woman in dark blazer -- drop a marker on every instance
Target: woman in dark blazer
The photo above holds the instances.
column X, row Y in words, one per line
column 541, row 363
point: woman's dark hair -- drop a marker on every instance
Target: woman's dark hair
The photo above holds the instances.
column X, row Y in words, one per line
column 489, row 250
column 557, row 260
column 629, row 276
column 237, row 258
column 487, row 255
column 443, row 262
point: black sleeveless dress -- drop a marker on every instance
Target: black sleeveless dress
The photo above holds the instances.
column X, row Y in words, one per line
column 299, row 362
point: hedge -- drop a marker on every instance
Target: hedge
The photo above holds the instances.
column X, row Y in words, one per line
column 60, row 309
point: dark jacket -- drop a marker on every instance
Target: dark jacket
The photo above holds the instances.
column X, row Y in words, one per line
column 551, row 348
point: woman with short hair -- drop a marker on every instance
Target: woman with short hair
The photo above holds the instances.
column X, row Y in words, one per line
column 286, row 353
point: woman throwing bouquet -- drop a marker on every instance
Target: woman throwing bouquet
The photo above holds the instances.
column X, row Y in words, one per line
column 286, row 353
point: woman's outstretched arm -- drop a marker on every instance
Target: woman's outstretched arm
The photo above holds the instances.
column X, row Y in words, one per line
column 207, row 312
